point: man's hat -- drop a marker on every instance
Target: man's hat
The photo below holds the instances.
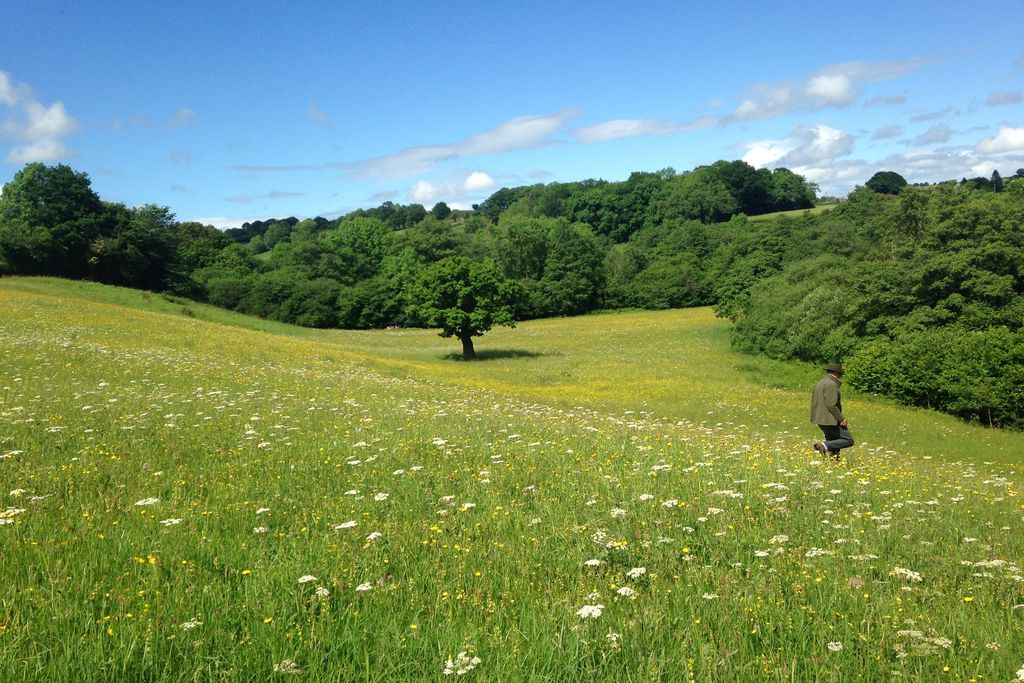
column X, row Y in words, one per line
column 834, row 368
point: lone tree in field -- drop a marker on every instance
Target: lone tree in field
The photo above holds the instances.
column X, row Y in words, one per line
column 464, row 298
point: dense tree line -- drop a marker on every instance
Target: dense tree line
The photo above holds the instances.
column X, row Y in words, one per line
column 919, row 294
column 895, row 277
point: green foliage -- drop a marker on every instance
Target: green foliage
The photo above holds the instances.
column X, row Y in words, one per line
column 976, row 375
column 886, row 182
column 909, row 282
column 62, row 202
column 464, row 298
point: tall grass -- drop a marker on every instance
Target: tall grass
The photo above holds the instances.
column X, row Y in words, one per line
column 189, row 500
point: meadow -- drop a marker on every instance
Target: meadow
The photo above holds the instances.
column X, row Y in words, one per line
column 195, row 495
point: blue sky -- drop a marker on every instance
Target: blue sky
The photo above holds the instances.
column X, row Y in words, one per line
column 233, row 111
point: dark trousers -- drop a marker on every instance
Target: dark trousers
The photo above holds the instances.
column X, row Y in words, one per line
column 836, row 438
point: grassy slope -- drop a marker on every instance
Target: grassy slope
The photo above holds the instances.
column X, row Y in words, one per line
column 170, row 482
column 795, row 212
column 675, row 364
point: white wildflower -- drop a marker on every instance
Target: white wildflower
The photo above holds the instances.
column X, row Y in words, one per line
column 364, row 587
column 636, row 572
column 308, row 578
column 16, row 492
column 626, row 592
column 835, row 646
column 191, row 624
column 461, row 665
column 346, row 525
column 260, row 529
column 261, row 511
column 709, row 596
column 592, row 563
column 287, row 666
column 374, row 536
column 671, row 503
column 321, row 592
column 147, row 501
column 618, row 513
column 907, row 574
column 645, row 496
column 590, row 611
column 170, row 522
column 380, row 497
column 779, row 538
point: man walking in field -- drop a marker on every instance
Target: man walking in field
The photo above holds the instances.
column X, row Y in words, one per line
column 827, row 413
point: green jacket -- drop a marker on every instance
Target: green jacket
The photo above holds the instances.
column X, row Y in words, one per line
column 826, row 403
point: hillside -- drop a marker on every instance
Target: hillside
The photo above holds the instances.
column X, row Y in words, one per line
column 616, row 497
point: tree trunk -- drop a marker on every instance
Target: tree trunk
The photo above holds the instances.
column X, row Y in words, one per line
column 467, row 349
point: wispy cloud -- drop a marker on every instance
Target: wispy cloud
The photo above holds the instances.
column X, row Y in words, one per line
column 937, row 134
column 36, row 129
column 524, row 132
column 273, row 194
column 885, row 100
column 317, row 115
column 628, row 128
column 930, row 115
column 183, row 116
column 837, row 85
column 1003, row 97
column 886, row 132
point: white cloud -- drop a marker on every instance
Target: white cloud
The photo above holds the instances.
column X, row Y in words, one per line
column 524, row 132
column 316, row 115
column 627, row 128
column 478, row 181
column 179, row 118
column 937, row 134
column 817, row 143
column 456, row 193
column 807, row 145
column 836, row 85
column 1004, row 151
column 424, row 192
column 830, row 90
column 36, row 129
column 1008, row 139
column 766, row 152
column 1003, row 97
column 41, row 150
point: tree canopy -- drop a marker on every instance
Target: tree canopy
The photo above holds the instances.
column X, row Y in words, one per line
column 464, row 298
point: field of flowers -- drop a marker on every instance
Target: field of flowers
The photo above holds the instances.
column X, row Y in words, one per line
column 186, row 500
